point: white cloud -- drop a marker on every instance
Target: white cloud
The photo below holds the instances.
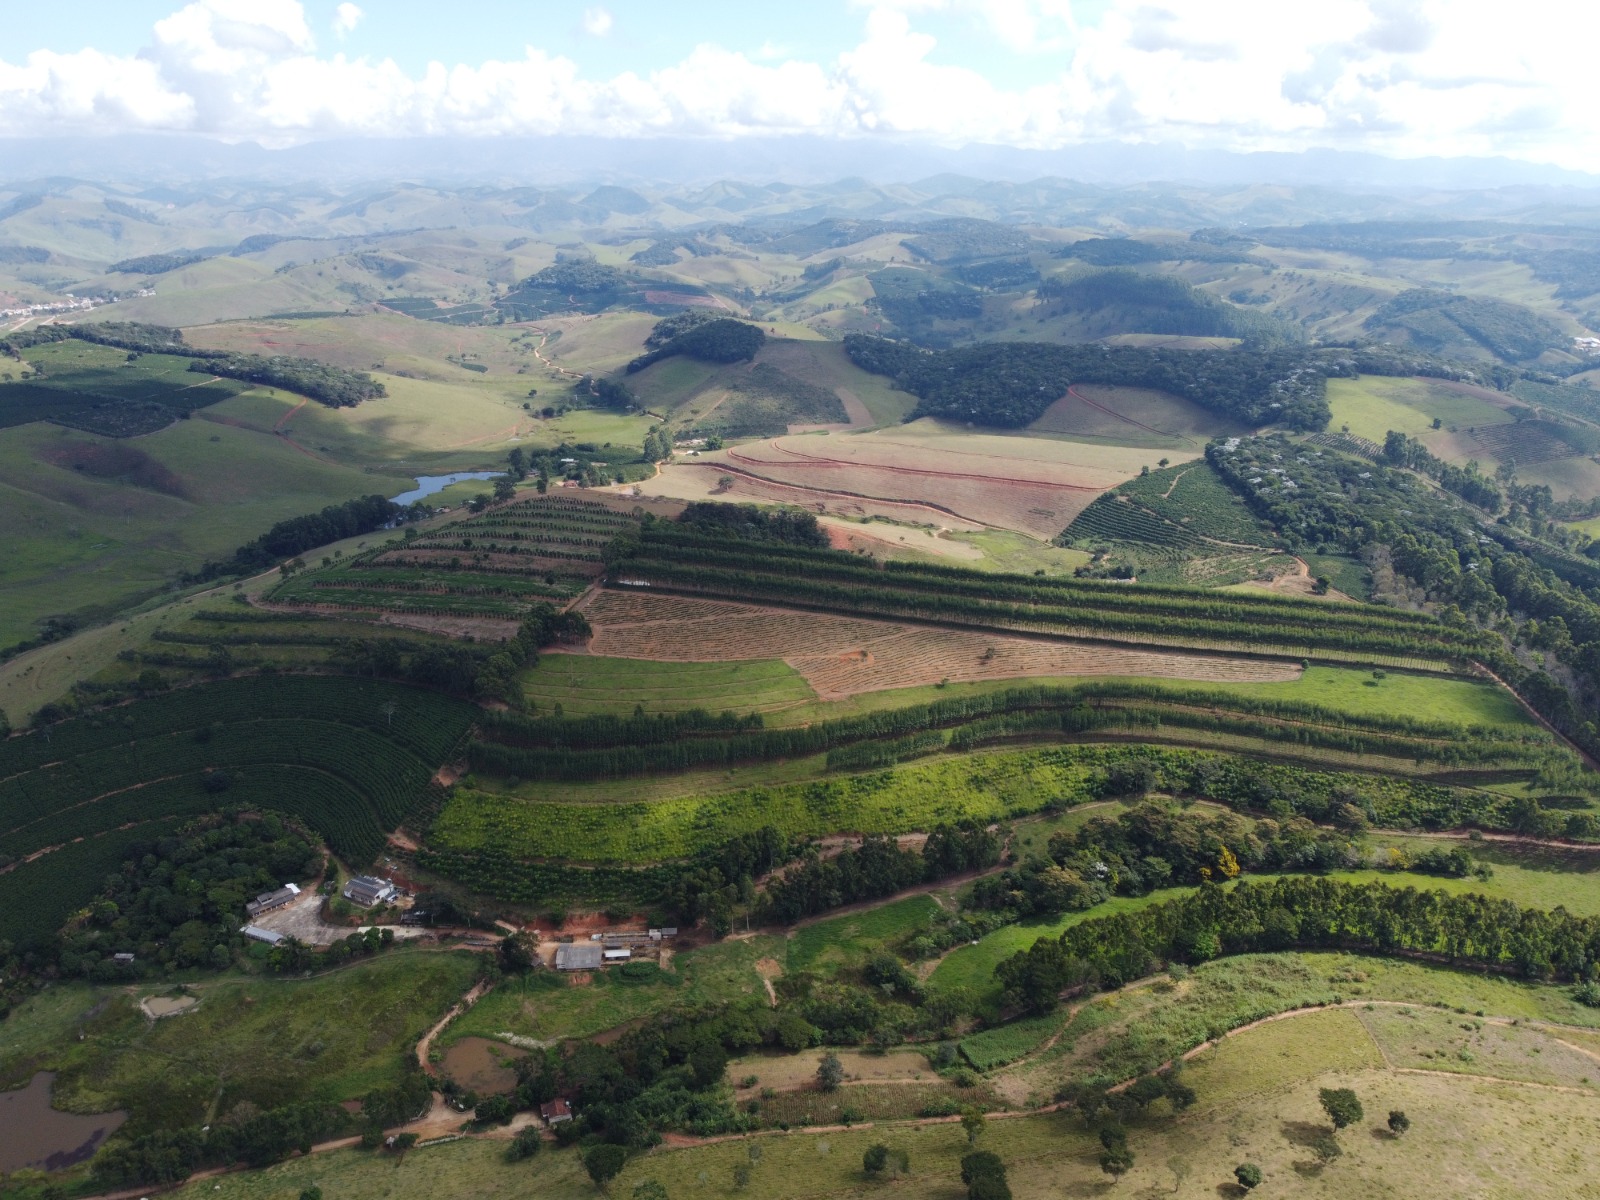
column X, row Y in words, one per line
column 345, row 19
column 596, row 22
column 1406, row 77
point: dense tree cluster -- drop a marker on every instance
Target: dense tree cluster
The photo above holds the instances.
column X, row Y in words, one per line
column 1441, row 321
column 875, row 868
column 295, row 536
column 1477, row 574
column 1141, row 303
column 1152, row 846
column 334, row 386
column 790, row 526
column 723, row 340
column 1010, row 384
column 178, row 901
column 664, row 330
column 1306, row 912
column 156, row 264
column 1132, row 252
column 122, row 335
column 171, row 1156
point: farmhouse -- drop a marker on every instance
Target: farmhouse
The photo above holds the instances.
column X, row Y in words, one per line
column 578, row 957
column 557, row 1111
column 367, row 890
column 257, row 934
column 267, row 901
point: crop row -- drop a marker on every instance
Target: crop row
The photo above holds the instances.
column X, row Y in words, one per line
column 1068, row 713
column 426, row 723
column 58, row 802
column 1130, row 620
column 1111, row 519
column 1023, row 592
column 42, row 894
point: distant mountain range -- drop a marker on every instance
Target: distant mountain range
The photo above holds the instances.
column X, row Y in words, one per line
column 560, row 161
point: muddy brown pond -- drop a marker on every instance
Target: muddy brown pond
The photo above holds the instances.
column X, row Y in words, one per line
column 37, row 1135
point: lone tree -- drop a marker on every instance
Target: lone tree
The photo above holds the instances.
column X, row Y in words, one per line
column 527, row 1143
column 1398, row 1122
column 1342, row 1107
column 875, row 1160
column 973, row 1121
column 1248, row 1175
column 1117, row 1159
column 985, row 1176
column 604, row 1163
column 830, row 1072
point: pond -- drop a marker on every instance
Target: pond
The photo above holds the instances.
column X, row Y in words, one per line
column 428, row 485
column 482, row 1065
column 42, row 1137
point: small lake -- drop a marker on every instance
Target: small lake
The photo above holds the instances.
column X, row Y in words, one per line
column 483, row 1066
column 428, row 485
column 39, row 1136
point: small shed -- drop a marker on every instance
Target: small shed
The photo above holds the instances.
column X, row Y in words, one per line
column 257, row 934
column 578, row 957
column 618, row 955
column 557, row 1111
column 122, row 957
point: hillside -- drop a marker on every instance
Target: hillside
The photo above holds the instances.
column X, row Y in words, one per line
column 812, row 670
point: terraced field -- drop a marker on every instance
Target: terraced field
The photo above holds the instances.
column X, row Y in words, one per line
column 496, row 564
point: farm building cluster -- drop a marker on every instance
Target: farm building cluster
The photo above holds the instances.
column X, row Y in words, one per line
column 612, row 947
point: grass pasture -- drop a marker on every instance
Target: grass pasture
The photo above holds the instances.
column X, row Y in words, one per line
column 266, row 1041
column 1132, row 416
column 1373, row 405
column 550, row 1007
column 581, row 684
column 92, row 543
column 1257, row 1102
column 848, row 940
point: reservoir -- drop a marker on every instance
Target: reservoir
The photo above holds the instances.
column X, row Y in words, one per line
column 428, row 485
column 39, row 1136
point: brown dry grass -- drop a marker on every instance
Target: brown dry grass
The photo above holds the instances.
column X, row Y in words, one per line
column 844, row 656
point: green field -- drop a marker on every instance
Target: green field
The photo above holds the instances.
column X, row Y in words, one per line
column 1373, row 405
column 96, row 539
column 266, row 1041
column 548, row 1006
column 848, row 940
column 582, row 684
column 973, row 966
column 984, row 785
column 1257, row 1101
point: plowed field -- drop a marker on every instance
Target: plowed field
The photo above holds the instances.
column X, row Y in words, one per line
column 1032, row 485
column 843, row 656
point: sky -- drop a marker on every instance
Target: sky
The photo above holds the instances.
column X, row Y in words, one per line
column 1405, row 78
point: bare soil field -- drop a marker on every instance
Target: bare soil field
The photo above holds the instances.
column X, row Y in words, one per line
column 890, row 541
column 702, row 479
column 845, row 656
column 1032, row 485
